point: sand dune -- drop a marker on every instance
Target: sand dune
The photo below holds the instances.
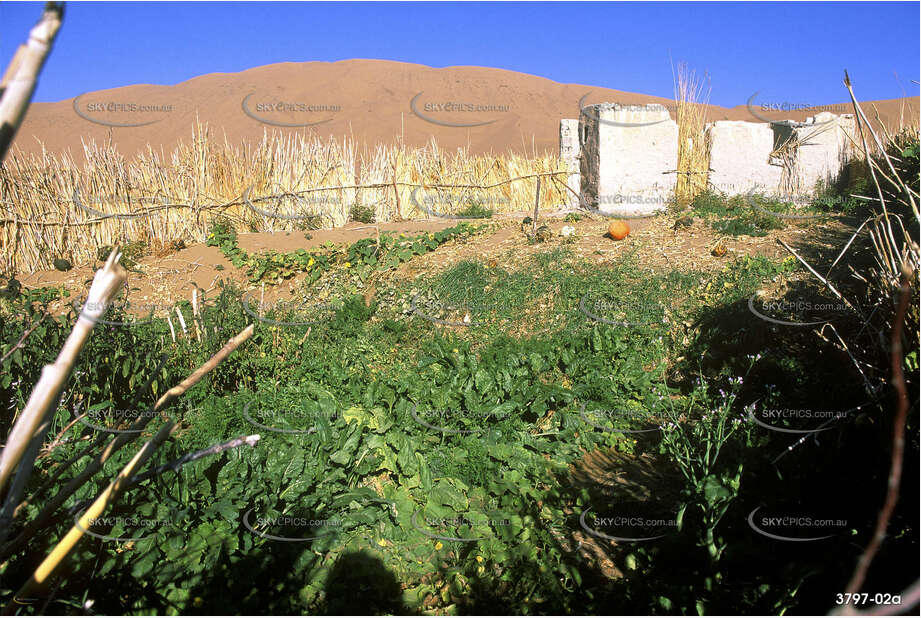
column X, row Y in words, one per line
column 372, row 101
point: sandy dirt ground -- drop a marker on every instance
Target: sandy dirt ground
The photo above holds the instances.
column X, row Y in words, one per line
column 166, row 280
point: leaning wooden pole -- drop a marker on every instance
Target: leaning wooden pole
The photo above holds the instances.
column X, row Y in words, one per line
column 536, row 208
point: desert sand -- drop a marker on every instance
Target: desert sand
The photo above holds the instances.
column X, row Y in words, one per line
column 370, row 101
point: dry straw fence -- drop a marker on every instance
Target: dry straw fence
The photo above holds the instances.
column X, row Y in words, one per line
column 292, row 181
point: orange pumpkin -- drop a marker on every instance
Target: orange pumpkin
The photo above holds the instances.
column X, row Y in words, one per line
column 618, row 229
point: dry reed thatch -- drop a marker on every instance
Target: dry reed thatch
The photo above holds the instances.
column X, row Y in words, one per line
column 53, row 207
column 692, row 95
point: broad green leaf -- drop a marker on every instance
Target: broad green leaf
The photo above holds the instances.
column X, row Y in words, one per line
column 341, row 457
column 714, row 490
column 425, row 475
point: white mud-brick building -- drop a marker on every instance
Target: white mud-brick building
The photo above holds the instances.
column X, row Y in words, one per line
column 569, row 155
column 813, row 153
column 786, row 158
column 741, row 158
column 628, row 158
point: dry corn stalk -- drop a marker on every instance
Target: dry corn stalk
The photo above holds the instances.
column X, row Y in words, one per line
column 19, row 81
column 47, row 392
column 95, row 465
column 22, row 446
column 54, row 559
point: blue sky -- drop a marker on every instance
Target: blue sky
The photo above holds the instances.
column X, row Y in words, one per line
column 797, row 51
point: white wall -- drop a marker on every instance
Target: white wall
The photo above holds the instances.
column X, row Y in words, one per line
column 629, row 155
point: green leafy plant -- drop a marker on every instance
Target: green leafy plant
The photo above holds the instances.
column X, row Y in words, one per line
column 366, row 254
column 736, row 216
column 502, row 402
column 361, row 213
column 474, row 209
column 696, row 431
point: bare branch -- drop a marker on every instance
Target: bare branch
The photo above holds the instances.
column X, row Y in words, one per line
column 898, row 442
column 22, row 339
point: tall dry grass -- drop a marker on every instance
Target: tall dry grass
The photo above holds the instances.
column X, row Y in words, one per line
column 294, row 182
column 692, row 95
